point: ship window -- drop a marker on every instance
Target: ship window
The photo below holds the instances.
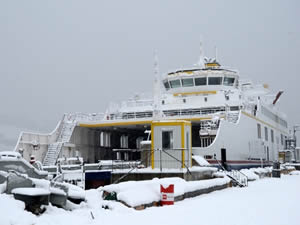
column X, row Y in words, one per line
column 124, row 141
column 105, row 139
column 189, row 82
column 215, row 80
column 234, row 108
column 167, row 85
column 200, row 81
column 266, row 134
column 175, row 83
column 272, row 136
column 258, row 131
column 167, row 139
column 228, row 81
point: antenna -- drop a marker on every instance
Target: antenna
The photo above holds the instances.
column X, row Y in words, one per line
column 216, row 53
column 156, row 69
column 156, row 90
column 201, row 63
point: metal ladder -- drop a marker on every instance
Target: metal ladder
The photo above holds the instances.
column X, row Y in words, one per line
column 55, row 148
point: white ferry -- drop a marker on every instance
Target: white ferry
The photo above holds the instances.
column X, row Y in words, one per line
column 234, row 121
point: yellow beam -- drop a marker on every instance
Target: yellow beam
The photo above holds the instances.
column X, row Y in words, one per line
column 112, row 124
column 125, row 123
column 152, row 146
column 182, row 144
column 170, row 123
column 190, row 147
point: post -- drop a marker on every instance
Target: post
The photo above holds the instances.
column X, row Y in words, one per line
column 160, row 152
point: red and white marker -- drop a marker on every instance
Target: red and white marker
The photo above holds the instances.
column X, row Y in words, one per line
column 167, row 195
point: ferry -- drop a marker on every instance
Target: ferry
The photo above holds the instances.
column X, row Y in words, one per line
column 233, row 122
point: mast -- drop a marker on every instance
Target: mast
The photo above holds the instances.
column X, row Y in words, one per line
column 157, row 114
column 201, row 62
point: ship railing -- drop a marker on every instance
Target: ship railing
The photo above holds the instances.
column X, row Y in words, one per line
column 84, row 117
column 168, row 113
column 137, row 103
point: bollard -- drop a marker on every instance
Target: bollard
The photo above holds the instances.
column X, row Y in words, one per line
column 276, row 170
column 167, row 195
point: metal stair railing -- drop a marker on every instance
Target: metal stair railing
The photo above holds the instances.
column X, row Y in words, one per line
column 55, row 148
column 235, row 175
column 232, row 116
column 239, row 177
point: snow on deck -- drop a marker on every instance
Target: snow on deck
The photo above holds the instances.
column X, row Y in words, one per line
column 265, row 201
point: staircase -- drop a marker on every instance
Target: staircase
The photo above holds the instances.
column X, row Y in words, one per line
column 232, row 116
column 237, row 177
column 55, row 148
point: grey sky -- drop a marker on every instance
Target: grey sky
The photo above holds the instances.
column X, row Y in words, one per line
column 70, row 56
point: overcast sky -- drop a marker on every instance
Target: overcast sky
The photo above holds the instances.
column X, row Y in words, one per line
column 76, row 56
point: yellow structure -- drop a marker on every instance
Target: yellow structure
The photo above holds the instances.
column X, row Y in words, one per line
column 171, row 145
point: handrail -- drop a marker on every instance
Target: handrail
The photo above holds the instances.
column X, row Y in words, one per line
column 235, row 175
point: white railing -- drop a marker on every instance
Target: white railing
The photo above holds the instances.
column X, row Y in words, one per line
column 168, row 113
column 75, row 117
column 239, row 177
column 137, row 103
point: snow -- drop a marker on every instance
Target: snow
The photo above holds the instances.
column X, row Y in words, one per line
column 200, row 160
column 9, row 154
column 262, row 202
column 12, row 212
column 30, row 191
column 57, row 191
column 135, row 193
column 2, row 187
column 250, row 174
column 289, row 167
column 41, row 183
column 295, row 172
column 75, row 191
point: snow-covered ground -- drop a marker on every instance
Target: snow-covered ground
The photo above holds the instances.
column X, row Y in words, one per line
column 266, row 201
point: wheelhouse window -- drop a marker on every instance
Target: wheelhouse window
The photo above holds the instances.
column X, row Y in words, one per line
column 188, row 82
column 214, row 80
column 200, row 81
column 167, row 140
column 175, row 83
column 228, row 81
column 167, row 85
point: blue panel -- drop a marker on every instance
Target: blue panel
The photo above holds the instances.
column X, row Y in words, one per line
column 97, row 175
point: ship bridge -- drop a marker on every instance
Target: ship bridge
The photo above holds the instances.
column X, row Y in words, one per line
column 197, row 81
